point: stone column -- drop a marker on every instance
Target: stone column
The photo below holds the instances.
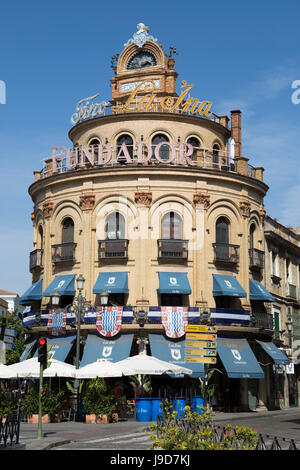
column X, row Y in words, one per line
column 201, row 202
column 143, row 199
column 47, row 209
column 245, row 209
column 87, row 202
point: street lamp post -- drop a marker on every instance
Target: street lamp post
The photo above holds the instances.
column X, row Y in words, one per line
column 77, row 307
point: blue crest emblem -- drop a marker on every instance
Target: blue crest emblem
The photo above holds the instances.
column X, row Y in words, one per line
column 141, row 36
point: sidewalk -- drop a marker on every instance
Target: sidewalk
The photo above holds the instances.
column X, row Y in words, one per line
column 62, row 433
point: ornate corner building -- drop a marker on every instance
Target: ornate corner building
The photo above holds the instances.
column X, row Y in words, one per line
column 155, row 204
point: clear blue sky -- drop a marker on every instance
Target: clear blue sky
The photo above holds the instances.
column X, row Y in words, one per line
column 240, row 55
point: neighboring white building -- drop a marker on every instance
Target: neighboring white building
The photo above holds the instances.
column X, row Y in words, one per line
column 3, row 307
column 11, row 298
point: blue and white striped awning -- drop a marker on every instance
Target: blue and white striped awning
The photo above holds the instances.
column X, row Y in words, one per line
column 227, row 315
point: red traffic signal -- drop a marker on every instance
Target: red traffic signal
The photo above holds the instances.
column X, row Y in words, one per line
column 42, row 351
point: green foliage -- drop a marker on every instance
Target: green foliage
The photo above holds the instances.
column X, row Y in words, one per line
column 199, row 433
column 143, row 382
column 98, row 398
column 207, row 390
column 52, row 401
column 12, row 321
column 30, row 406
column 5, row 405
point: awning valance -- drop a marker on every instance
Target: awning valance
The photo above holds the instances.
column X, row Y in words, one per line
column 112, row 282
column 33, row 293
column 238, row 358
column 64, row 285
column 101, row 348
column 278, row 356
column 173, row 283
column 259, row 292
column 227, row 286
column 170, row 351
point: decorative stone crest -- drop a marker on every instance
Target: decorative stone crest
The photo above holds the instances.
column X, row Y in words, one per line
column 47, row 209
column 143, row 198
column 87, row 202
column 141, row 36
column 200, row 199
column 245, row 208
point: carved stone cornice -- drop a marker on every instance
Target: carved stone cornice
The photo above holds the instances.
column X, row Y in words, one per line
column 200, row 199
column 245, row 208
column 143, row 198
column 47, row 209
column 87, row 202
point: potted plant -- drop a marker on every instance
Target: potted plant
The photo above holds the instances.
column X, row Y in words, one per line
column 30, row 407
column 99, row 402
column 53, row 403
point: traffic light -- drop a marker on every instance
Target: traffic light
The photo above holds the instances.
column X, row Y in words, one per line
column 42, row 351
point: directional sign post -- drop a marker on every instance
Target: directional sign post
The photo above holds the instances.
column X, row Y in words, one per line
column 201, row 347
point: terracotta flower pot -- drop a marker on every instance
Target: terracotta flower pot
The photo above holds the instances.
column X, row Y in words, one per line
column 91, row 419
column 34, row 419
column 103, row 419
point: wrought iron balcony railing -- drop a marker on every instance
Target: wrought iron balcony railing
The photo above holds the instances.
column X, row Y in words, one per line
column 264, row 320
column 257, row 258
column 226, row 253
column 63, row 252
column 174, row 249
column 113, row 249
column 35, row 259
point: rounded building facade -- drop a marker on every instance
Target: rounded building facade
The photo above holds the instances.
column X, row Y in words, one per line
column 154, row 204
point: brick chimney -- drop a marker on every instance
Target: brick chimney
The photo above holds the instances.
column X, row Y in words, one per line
column 236, row 132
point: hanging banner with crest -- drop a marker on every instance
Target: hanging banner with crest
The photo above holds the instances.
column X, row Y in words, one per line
column 109, row 320
column 57, row 321
column 174, row 320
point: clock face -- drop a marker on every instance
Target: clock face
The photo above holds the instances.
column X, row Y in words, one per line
column 141, row 59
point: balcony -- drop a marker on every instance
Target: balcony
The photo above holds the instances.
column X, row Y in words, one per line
column 113, row 249
column 291, row 291
column 63, row 252
column 226, row 253
column 257, row 258
column 264, row 320
column 35, row 259
column 172, row 249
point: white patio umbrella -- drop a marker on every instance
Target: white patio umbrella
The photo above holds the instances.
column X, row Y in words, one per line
column 31, row 368
column 100, row 368
column 5, row 372
column 149, row 365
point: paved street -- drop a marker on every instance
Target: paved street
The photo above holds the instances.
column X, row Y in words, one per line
column 130, row 435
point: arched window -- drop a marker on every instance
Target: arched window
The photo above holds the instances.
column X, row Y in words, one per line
column 67, row 231
column 115, row 226
column 164, row 149
column 196, row 144
column 94, row 146
column 251, row 236
column 171, row 226
column 215, row 156
column 222, row 230
column 127, row 140
column 40, row 243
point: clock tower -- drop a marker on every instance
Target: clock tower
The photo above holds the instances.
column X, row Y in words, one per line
column 142, row 60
